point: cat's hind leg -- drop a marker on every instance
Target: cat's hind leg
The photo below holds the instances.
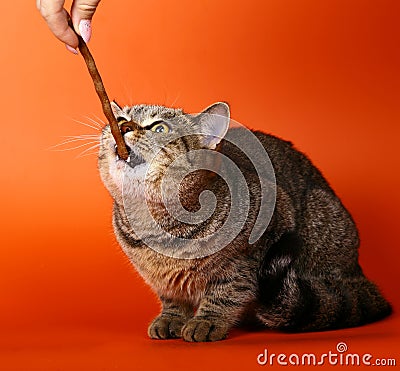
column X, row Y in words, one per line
column 310, row 279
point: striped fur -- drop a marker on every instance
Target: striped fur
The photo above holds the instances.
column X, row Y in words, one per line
column 301, row 275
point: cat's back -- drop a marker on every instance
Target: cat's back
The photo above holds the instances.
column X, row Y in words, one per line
column 293, row 170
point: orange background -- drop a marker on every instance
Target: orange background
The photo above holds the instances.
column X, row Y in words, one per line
column 324, row 74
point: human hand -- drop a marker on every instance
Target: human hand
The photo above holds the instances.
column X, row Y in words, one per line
column 57, row 19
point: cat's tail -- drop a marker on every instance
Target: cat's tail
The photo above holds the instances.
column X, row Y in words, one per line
column 315, row 304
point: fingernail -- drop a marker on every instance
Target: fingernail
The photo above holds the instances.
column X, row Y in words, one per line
column 71, row 49
column 85, row 29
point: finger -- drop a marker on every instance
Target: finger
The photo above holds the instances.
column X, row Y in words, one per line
column 57, row 20
column 82, row 13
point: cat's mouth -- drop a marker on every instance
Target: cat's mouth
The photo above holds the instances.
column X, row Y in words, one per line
column 134, row 159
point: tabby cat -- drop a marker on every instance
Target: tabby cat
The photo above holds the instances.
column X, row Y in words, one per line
column 300, row 274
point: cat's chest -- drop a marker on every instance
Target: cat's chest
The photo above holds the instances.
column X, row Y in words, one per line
column 174, row 278
column 184, row 279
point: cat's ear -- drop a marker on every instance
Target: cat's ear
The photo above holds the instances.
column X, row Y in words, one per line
column 214, row 123
column 117, row 110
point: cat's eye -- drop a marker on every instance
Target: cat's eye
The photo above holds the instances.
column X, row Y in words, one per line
column 160, row 127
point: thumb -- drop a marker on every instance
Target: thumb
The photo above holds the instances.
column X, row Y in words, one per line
column 81, row 14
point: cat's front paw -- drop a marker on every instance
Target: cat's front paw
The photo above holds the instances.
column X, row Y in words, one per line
column 166, row 327
column 202, row 329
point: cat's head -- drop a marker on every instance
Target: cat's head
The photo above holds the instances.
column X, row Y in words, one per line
column 156, row 136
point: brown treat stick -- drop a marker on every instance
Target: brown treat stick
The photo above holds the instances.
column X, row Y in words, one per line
column 105, row 102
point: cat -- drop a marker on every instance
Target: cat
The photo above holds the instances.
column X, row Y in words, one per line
column 301, row 274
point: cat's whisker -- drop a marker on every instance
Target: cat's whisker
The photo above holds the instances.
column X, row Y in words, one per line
column 97, row 128
column 72, row 140
column 128, row 94
column 176, row 99
column 82, row 136
column 87, row 152
column 101, row 123
column 73, row 148
column 56, row 147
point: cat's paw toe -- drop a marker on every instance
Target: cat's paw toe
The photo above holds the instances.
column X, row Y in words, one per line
column 200, row 329
column 164, row 327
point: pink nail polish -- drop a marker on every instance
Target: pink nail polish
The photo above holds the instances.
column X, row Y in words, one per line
column 85, row 29
column 71, row 49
